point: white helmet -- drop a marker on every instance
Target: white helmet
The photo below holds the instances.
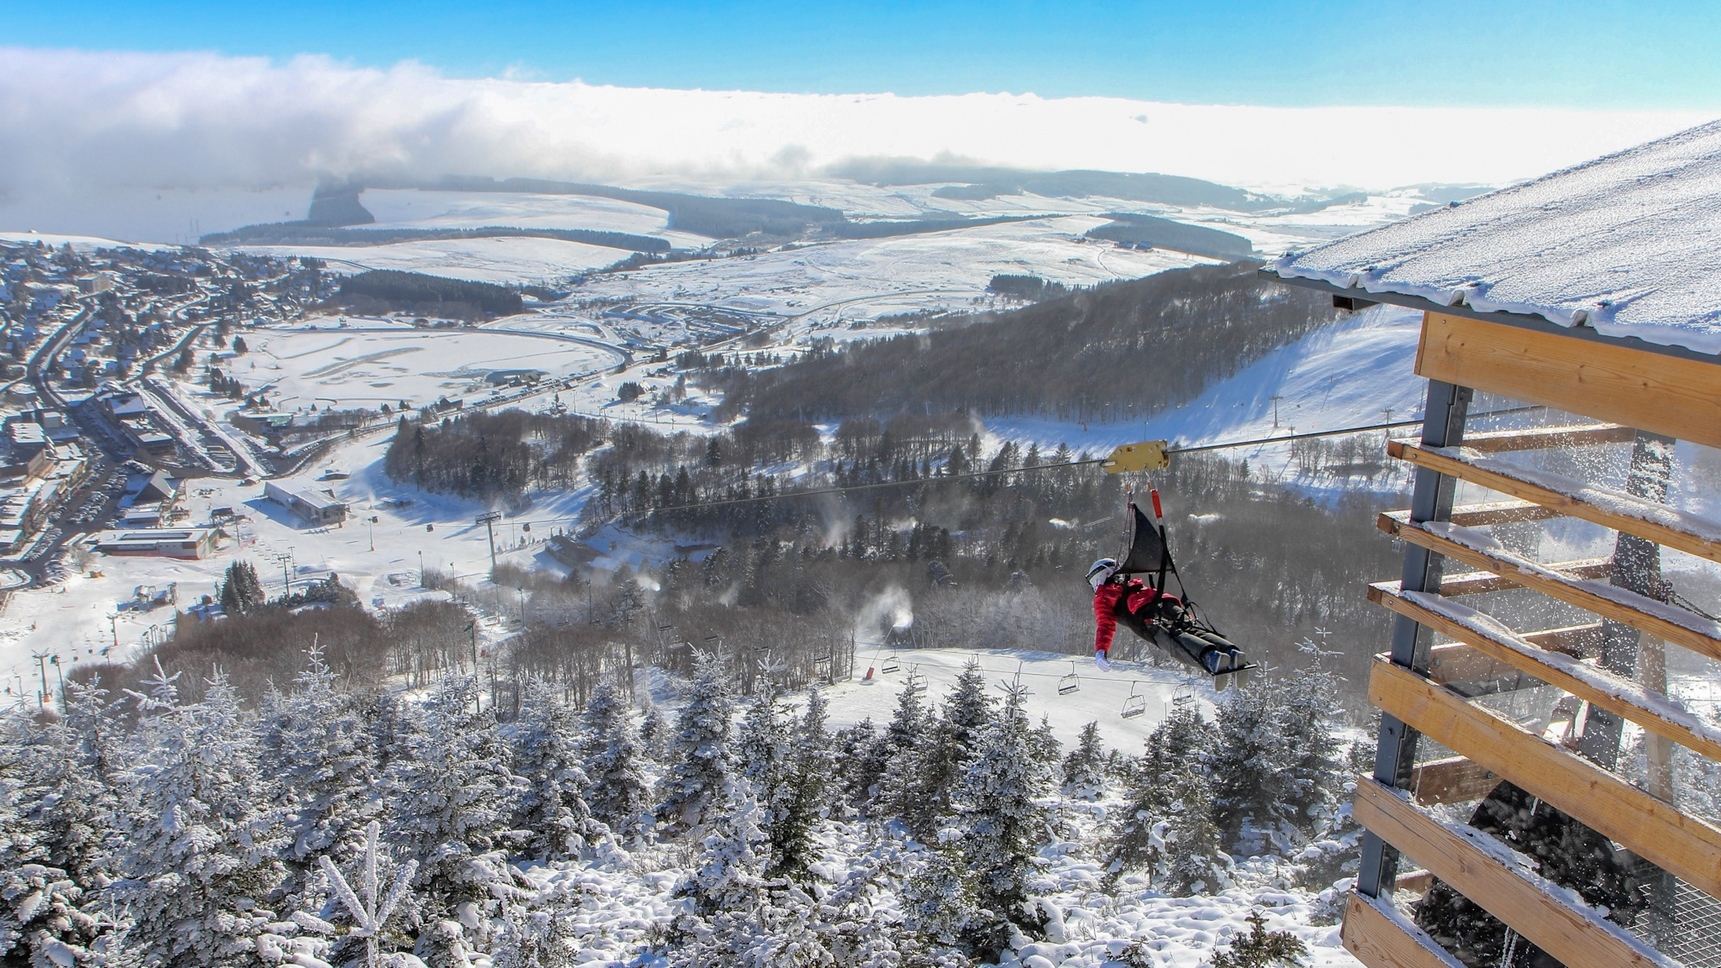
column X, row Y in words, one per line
column 1101, row 572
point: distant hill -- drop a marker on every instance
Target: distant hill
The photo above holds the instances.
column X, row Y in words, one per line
column 976, row 183
column 336, row 204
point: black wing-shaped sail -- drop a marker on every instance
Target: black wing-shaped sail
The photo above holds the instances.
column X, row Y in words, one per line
column 1146, row 550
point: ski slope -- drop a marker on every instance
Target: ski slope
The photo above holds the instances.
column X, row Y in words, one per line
column 1099, row 698
column 1356, row 372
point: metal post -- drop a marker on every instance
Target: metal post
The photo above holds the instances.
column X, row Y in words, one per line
column 42, row 666
column 488, row 519
column 1395, row 750
column 421, row 569
column 60, row 673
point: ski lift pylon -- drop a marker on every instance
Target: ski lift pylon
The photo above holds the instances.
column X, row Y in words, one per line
column 1135, row 705
column 1070, row 683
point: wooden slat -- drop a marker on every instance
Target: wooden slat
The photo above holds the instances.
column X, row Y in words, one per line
column 1622, row 697
column 1483, row 582
column 1459, row 662
column 1603, row 381
column 1499, row 512
column 1644, row 614
column 1682, row 845
column 1468, row 860
column 1416, row 882
column 1462, row 662
column 1459, row 463
column 1583, row 641
column 1382, row 939
column 1453, row 780
column 1541, row 438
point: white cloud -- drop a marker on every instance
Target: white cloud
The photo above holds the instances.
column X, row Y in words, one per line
column 91, row 138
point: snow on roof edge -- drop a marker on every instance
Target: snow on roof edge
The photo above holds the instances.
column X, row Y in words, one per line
column 1606, row 244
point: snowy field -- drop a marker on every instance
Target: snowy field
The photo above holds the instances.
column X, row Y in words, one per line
column 499, row 260
column 367, row 367
column 834, row 282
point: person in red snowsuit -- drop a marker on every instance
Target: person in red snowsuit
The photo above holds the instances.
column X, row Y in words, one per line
column 1156, row 616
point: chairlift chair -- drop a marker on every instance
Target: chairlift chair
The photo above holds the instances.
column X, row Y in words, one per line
column 916, row 680
column 1184, row 696
column 890, row 664
column 1070, row 683
column 1135, row 705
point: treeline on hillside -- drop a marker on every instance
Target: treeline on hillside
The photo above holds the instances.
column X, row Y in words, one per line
column 491, row 455
column 153, row 827
column 316, row 233
column 1121, row 351
column 1269, row 564
column 1031, row 288
column 1163, row 233
column 389, row 290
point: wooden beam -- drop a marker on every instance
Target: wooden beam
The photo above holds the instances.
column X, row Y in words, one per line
column 1470, row 861
column 1660, row 524
column 1594, row 685
column 1451, row 780
column 1604, row 381
column 1679, row 844
column 1499, row 512
column 1676, row 625
column 1380, row 937
column 1541, row 438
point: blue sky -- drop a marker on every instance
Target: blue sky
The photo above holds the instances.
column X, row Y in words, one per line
column 1579, row 53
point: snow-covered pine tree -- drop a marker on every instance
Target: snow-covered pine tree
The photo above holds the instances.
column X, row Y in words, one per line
column 619, row 794
column 452, row 799
column 200, row 834
column 943, row 756
column 860, row 762
column 811, row 784
column 242, row 591
column 1169, row 795
column 552, row 810
column 730, row 875
column 899, row 750
column 1002, row 825
column 1084, row 769
column 1187, row 859
column 323, row 755
column 535, row 939
column 699, row 751
column 45, row 920
column 938, row 905
column 64, row 789
column 1274, row 766
column 763, row 761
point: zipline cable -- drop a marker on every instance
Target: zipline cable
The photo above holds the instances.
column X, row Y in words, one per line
column 1195, row 449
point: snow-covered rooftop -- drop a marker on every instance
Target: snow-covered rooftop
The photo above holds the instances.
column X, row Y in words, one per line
column 1625, row 244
